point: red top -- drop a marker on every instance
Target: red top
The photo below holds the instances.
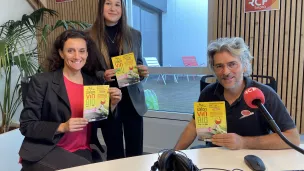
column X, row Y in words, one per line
column 79, row 140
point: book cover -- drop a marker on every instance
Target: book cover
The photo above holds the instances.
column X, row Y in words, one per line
column 96, row 102
column 126, row 70
column 210, row 119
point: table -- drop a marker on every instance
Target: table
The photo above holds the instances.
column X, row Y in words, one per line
column 205, row 158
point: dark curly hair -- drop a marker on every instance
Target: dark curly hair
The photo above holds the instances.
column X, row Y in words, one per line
column 92, row 65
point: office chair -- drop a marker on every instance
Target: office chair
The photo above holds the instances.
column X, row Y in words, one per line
column 25, row 82
column 271, row 82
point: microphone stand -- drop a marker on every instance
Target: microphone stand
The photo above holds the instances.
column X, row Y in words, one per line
column 274, row 126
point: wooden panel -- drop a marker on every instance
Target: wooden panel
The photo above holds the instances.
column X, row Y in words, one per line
column 228, row 18
column 80, row 10
column 36, row 4
column 291, row 70
column 295, row 89
column 224, row 28
column 220, row 18
column 300, row 99
column 238, row 18
column 276, row 40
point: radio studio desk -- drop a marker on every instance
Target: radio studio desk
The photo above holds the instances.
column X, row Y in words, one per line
column 274, row 160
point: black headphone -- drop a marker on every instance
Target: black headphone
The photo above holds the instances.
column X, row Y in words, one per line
column 172, row 161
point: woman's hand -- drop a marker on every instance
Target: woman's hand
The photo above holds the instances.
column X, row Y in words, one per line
column 115, row 95
column 109, row 74
column 72, row 125
column 143, row 70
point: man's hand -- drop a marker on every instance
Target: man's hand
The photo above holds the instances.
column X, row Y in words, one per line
column 72, row 125
column 108, row 74
column 143, row 70
column 230, row 140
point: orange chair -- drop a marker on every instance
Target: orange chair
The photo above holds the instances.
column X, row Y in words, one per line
column 190, row 61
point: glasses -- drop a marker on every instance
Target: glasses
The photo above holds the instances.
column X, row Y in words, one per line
column 230, row 65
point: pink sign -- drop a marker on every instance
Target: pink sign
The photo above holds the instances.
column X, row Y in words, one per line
column 261, row 5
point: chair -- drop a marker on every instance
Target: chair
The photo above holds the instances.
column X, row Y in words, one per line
column 153, row 62
column 190, row 61
column 270, row 81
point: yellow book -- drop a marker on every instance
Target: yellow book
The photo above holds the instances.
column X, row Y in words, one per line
column 126, row 69
column 96, row 102
column 210, row 119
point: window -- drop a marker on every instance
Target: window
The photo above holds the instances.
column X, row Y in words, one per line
column 174, row 35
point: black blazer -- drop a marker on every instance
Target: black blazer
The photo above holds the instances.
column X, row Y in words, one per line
column 136, row 91
column 45, row 108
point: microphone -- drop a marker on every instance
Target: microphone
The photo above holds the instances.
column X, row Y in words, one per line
column 255, row 98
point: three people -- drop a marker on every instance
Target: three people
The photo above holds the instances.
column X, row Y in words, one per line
column 56, row 134
column 114, row 37
column 52, row 120
column 230, row 61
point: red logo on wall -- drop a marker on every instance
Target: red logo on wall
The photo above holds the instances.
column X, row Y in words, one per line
column 261, row 5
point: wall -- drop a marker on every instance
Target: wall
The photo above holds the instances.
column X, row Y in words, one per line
column 185, row 31
column 276, row 41
column 157, row 4
column 13, row 10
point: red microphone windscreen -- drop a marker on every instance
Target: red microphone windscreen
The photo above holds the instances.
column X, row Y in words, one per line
column 253, row 93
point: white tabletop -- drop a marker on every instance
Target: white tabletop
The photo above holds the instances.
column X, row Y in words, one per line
column 206, row 158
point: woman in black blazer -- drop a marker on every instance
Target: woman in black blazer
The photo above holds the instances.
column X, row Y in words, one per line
column 56, row 134
column 114, row 37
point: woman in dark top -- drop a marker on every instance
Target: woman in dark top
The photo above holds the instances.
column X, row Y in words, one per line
column 56, row 134
column 114, row 37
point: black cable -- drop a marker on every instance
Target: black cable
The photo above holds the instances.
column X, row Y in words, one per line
column 275, row 127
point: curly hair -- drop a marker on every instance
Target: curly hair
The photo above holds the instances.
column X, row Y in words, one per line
column 236, row 47
column 92, row 65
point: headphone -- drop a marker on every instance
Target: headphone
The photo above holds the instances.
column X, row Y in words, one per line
column 172, row 161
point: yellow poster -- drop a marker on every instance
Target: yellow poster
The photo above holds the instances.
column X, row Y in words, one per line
column 126, row 69
column 210, row 119
column 96, row 102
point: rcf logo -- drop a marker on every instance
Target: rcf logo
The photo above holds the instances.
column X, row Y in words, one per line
column 249, row 90
column 258, row 3
column 261, row 5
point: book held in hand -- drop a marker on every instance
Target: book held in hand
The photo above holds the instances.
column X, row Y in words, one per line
column 96, row 102
column 126, row 70
column 210, row 119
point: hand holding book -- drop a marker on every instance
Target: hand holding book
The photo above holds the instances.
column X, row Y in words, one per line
column 72, row 125
column 115, row 95
column 143, row 70
column 109, row 74
column 230, row 140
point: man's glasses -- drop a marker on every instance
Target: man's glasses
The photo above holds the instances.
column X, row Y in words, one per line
column 230, row 65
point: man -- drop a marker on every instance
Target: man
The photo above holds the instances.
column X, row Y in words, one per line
column 230, row 61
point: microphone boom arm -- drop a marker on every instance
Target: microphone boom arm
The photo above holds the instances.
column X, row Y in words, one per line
column 274, row 126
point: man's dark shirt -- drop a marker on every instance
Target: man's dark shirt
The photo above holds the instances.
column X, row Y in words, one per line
column 255, row 124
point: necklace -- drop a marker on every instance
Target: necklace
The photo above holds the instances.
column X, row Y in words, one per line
column 113, row 41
